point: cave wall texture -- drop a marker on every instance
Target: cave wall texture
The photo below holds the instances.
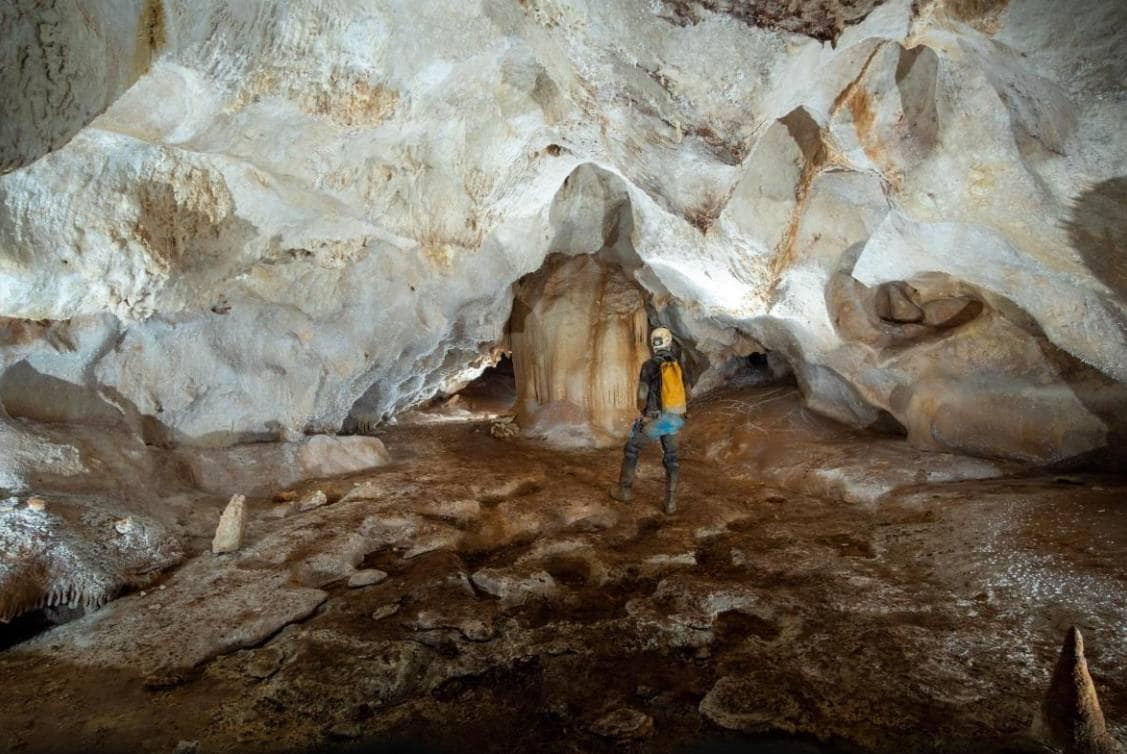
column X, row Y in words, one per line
column 238, row 219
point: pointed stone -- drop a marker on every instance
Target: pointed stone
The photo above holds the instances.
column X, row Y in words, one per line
column 232, row 524
column 1070, row 716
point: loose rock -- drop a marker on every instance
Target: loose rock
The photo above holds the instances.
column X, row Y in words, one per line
column 386, row 611
column 311, row 500
column 232, row 524
column 504, row 428
column 514, row 589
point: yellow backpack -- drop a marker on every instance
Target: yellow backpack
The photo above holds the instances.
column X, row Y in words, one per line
column 672, row 387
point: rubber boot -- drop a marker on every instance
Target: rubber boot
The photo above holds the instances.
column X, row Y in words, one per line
column 623, row 492
column 671, row 478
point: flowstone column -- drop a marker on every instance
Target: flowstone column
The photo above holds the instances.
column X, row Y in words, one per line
column 578, row 335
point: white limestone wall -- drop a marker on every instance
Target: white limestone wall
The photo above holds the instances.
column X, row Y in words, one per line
column 298, row 206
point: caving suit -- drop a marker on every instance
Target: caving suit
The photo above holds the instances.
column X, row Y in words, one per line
column 654, row 424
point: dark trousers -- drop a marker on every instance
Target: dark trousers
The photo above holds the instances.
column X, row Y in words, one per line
column 640, row 438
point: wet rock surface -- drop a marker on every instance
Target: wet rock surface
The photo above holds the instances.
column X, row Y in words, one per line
column 929, row 620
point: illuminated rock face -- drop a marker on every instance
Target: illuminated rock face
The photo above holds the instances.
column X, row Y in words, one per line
column 304, row 213
column 578, row 334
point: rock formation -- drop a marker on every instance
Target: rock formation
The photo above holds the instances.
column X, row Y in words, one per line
column 1070, row 716
column 76, row 551
column 232, row 524
column 292, row 216
column 579, row 335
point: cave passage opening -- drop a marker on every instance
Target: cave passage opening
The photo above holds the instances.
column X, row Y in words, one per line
column 495, row 389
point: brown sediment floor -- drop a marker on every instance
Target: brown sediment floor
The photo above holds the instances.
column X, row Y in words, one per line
column 522, row 607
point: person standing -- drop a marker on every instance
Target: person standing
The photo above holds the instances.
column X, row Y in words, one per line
column 663, row 398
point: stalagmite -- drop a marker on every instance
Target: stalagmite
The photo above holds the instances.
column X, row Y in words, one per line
column 232, row 524
column 1070, row 716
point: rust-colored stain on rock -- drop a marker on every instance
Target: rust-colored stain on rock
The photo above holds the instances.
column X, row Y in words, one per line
column 152, row 35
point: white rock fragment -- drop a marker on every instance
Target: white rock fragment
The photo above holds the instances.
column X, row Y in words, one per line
column 311, row 500
column 367, row 577
column 504, row 428
column 36, row 504
column 326, row 455
column 123, row 525
column 232, row 524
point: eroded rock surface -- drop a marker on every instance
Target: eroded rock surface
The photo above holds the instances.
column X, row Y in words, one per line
column 77, row 551
column 299, row 217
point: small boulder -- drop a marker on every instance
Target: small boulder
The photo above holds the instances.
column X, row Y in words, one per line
column 515, row 588
column 36, row 503
column 367, row 577
column 232, row 525
column 326, row 455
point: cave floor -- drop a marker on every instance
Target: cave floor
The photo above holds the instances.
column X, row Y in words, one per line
column 525, row 611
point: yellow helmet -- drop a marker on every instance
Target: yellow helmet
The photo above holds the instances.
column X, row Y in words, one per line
column 661, row 339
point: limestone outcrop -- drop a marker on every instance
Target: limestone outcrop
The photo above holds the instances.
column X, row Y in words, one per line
column 292, row 217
